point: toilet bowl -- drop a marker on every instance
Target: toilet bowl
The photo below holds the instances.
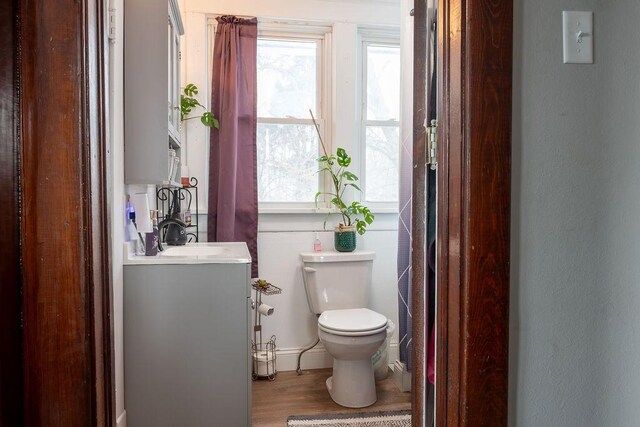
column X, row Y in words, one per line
column 351, row 337
column 337, row 287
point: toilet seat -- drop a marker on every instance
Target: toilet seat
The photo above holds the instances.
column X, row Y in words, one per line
column 352, row 322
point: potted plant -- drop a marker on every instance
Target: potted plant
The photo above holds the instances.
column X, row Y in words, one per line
column 187, row 104
column 355, row 216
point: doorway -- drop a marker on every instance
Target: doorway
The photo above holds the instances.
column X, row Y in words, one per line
column 473, row 219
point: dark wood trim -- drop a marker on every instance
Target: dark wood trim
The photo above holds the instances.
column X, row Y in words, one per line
column 66, row 295
column 10, row 281
column 475, row 61
column 97, row 212
column 419, row 178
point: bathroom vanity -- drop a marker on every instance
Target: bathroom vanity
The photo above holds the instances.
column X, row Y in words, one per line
column 186, row 337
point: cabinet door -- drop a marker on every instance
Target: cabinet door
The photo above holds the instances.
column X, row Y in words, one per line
column 152, row 85
column 186, row 345
column 173, row 84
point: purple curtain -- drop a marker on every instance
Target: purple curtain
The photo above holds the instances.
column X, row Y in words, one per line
column 233, row 194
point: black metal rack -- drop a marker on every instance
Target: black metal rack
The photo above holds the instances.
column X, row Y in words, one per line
column 168, row 196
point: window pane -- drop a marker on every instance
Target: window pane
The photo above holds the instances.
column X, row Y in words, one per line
column 286, row 78
column 287, row 163
column 382, row 163
column 383, row 82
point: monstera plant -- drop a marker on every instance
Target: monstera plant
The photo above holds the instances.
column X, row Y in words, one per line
column 188, row 103
column 355, row 216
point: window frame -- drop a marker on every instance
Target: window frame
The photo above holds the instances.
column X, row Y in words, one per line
column 373, row 37
column 322, row 35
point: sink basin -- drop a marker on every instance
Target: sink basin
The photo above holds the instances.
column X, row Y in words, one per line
column 193, row 251
column 196, row 253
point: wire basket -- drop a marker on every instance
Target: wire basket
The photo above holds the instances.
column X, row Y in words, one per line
column 264, row 359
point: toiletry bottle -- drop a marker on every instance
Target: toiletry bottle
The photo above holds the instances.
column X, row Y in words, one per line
column 317, row 246
column 151, row 239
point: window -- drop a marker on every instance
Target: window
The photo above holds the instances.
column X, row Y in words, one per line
column 295, row 74
column 290, row 83
column 380, row 131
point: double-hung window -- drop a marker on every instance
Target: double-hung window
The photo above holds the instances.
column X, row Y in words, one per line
column 291, row 65
column 380, row 120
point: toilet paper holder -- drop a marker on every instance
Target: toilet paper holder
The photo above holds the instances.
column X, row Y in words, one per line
column 263, row 354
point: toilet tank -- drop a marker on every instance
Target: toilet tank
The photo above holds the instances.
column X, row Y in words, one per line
column 337, row 280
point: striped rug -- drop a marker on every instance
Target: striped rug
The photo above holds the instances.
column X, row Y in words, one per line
column 366, row 419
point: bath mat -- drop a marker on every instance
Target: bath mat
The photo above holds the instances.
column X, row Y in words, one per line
column 364, row 419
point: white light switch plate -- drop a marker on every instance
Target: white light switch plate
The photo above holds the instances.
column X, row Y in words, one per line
column 577, row 33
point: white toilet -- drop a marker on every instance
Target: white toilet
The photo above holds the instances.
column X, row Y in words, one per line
column 337, row 286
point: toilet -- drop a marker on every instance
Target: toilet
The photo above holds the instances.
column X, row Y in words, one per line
column 337, row 286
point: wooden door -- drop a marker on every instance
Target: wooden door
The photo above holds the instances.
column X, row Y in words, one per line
column 55, row 294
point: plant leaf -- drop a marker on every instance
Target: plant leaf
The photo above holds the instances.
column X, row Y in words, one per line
column 343, row 159
column 350, row 176
column 338, row 203
column 207, row 119
column 353, row 185
column 190, row 89
column 369, row 217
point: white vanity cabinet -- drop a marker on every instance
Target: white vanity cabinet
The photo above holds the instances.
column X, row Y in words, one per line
column 151, row 89
column 186, row 342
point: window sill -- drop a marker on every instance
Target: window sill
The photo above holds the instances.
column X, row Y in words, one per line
column 317, row 211
column 292, row 220
column 274, row 220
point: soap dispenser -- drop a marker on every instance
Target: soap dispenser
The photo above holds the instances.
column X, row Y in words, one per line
column 317, row 245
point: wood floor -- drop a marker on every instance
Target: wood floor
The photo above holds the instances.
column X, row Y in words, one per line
column 292, row 394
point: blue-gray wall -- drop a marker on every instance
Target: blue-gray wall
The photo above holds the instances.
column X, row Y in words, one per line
column 575, row 300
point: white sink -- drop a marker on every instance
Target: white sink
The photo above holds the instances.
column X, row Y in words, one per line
column 196, row 253
column 193, row 251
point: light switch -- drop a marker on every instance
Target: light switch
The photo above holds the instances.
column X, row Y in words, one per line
column 577, row 29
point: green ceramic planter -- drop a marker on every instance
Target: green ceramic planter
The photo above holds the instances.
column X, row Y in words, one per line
column 344, row 239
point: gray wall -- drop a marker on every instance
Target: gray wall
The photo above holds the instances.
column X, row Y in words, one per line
column 575, row 315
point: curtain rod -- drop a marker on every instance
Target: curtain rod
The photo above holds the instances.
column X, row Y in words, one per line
column 217, row 15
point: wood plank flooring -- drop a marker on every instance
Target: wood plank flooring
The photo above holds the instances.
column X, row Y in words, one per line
column 292, row 394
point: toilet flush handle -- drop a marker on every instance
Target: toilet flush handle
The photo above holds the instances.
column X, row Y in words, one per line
column 309, row 270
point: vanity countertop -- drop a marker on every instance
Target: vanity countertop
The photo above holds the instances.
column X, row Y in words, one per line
column 195, row 253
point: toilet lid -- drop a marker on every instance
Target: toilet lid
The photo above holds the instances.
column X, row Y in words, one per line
column 352, row 320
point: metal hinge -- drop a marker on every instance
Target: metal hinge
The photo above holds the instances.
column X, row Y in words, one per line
column 112, row 26
column 432, row 144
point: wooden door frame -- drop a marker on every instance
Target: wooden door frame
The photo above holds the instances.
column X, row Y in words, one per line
column 56, row 305
column 10, row 280
column 475, row 52
column 474, row 184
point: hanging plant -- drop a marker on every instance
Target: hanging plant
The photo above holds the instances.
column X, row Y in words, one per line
column 188, row 103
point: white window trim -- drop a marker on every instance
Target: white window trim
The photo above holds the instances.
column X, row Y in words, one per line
column 322, row 34
column 377, row 37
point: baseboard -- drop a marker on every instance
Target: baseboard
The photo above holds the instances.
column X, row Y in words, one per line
column 122, row 419
column 316, row 358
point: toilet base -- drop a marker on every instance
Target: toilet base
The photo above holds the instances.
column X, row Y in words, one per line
column 353, row 383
